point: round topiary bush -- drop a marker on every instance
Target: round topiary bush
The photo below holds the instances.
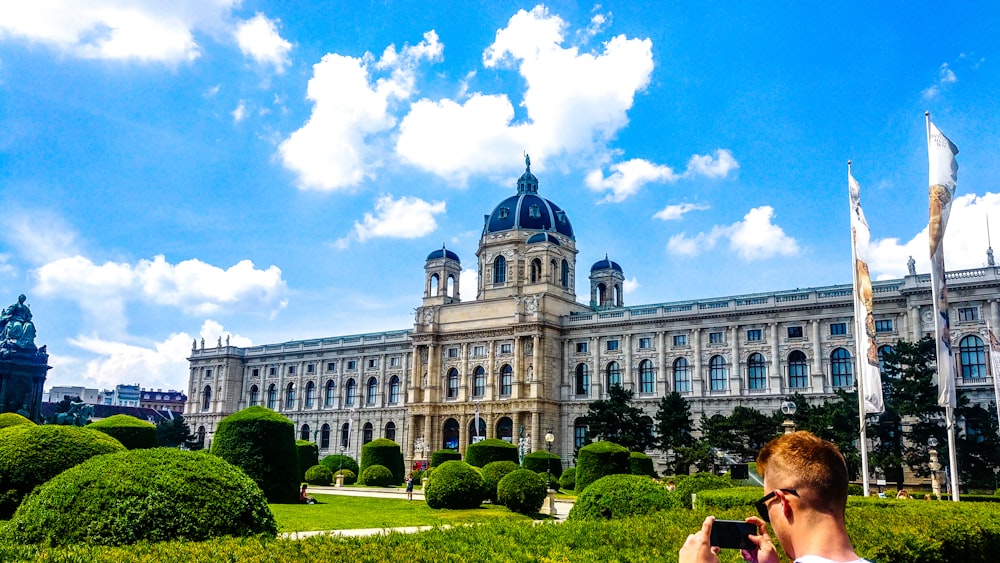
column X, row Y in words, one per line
column 133, row 433
column 350, row 477
column 143, row 495
column 568, row 479
column 541, row 461
column 261, row 442
column 455, row 484
column 319, row 475
column 384, row 452
column 490, row 450
column 13, row 419
column 336, row 462
column 621, row 496
column 596, row 460
column 378, row 476
column 522, row 491
column 308, row 453
column 641, row 464
column 492, row 474
column 441, row 456
column 31, row 455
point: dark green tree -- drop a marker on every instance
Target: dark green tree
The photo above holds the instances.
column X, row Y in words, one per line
column 673, row 427
column 698, row 454
column 615, row 419
column 835, row 420
column 978, row 446
column 175, row 433
column 741, row 434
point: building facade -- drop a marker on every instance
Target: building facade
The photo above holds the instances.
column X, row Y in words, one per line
column 525, row 357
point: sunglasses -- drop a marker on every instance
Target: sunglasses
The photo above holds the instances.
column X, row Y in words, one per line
column 761, row 504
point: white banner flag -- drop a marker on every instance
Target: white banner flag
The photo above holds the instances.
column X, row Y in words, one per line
column 869, row 378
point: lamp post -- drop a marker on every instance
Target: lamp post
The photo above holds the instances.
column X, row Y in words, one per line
column 721, row 457
column 550, row 494
column 788, row 409
column 934, row 466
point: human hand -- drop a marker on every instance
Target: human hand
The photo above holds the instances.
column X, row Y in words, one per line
column 697, row 548
column 765, row 551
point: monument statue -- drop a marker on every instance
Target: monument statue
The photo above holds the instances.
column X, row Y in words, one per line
column 22, row 364
column 77, row 415
column 16, row 327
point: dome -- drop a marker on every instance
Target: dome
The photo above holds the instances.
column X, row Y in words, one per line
column 606, row 265
column 543, row 237
column 527, row 210
column 443, row 253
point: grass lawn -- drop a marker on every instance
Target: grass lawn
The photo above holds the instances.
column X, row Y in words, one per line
column 341, row 512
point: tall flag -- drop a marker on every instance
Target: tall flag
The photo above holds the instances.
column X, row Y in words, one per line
column 995, row 365
column 477, row 419
column 943, row 174
column 869, row 378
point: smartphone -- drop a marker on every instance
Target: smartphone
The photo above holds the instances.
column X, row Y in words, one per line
column 732, row 534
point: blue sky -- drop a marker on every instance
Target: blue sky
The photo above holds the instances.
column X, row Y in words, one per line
column 273, row 172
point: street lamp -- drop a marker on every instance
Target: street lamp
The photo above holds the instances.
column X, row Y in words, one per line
column 788, row 409
column 934, row 466
column 549, row 438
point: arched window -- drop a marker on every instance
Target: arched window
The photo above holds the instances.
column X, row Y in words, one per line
column 310, row 394
column 254, row 396
column 972, row 358
column 479, row 382
column 390, row 430
column 564, row 277
column 882, row 351
column 272, row 397
column 682, row 376
column 206, row 398
column 394, row 390
column 619, row 298
column 290, row 396
column 536, row 270
column 798, row 370
column 647, row 377
column 451, row 286
column 372, row 396
column 841, row 368
column 450, row 434
column 717, row 374
column 366, row 433
column 505, row 429
column 602, row 294
column 579, row 433
column 201, row 436
column 582, row 380
column 324, row 437
column 452, row 391
column 614, row 375
column 352, row 392
column 473, row 432
column 329, row 396
column 500, row 270
column 304, row 432
column 756, row 371
column 345, row 435
column 506, row 380
column 435, row 284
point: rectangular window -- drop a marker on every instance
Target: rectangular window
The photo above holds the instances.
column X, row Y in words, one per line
column 208, row 372
column 883, row 325
column 331, row 366
column 310, row 368
column 452, row 352
column 680, row 340
column 968, row 314
column 291, row 370
column 372, row 363
column 645, row 343
column 255, row 372
column 505, row 348
column 753, row 335
column 479, row 350
column 612, row 345
column 393, row 362
column 352, row 364
column 794, row 332
column 838, row 329
column 581, row 347
column 715, row 338
column 272, row 371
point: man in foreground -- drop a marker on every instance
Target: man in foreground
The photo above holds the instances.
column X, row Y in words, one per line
column 805, row 479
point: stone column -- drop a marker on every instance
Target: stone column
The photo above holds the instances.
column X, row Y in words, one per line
column 627, row 342
column 818, row 378
column 661, row 363
column 736, row 386
column 537, row 368
column 463, row 374
column 492, row 385
column 698, row 387
column 776, row 384
column 515, row 391
column 914, row 322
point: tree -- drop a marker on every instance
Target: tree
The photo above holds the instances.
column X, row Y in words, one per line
column 741, row 434
column 835, row 420
column 175, row 433
column 978, row 446
column 616, row 420
column 673, row 427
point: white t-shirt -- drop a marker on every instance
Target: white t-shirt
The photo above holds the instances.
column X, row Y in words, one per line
column 818, row 559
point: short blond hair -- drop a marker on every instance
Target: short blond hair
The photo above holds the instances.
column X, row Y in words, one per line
column 803, row 461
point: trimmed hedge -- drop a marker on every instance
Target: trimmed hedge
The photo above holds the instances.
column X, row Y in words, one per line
column 261, row 442
column 308, row 453
column 455, row 484
column 596, row 460
column 319, row 475
column 690, row 484
column 384, row 452
column 133, row 433
column 622, row 496
column 350, row 477
column 735, row 497
column 568, row 479
column 492, row 474
column 641, row 464
column 143, row 495
column 441, row 456
column 13, row 419
column 522, row 491
column 378, row 476
column 540, row 460
column 337, row 461
column 490, row 450
column 31, row 455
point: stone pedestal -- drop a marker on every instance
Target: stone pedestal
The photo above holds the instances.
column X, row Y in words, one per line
column 550, row 501
column 340, row 479
column 22, row 376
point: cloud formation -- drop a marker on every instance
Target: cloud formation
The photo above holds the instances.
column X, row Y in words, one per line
column 258, row 38
column 406, row 217
column 946, row 76
column 753, row 238
column 675, row 212
column 628, row 177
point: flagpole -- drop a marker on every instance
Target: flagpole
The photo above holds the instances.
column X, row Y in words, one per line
column 858, row 379
column 993, row 370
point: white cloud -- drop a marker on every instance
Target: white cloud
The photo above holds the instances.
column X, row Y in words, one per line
column 631, row 285
column 259, row 39
column 39, row 245
column 350, row 107
column 468, row 284
column 718, row 167
column 240, row 113
column 111, row 29
column 753, row 238
column 6, row 268
column 628, row 177
column 946, row 76
column 406, row 217
column 211, row 92
column 598, row 23
column 675, row 212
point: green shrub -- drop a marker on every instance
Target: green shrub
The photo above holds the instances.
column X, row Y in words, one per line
column 308, row 453
column 13, row 419
column 418, row 475
column 350, row 477
column 441, row 456
column 319, row 475
column 710, row 499
column 490, row 450
column 455, row 484
column 492, row 474
column 596, row 460
column 855, row 490
column 378, row 476
column 31, row 455
column 384, row 452
column 261, row 442
column 133, row 433
column 691, row 484
column 143, row 495
column 336, row 462
column 540, row 460
column 522, row 491
column 641, row 464
column 621, row 496
column 427, row 473
column 567, row 481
